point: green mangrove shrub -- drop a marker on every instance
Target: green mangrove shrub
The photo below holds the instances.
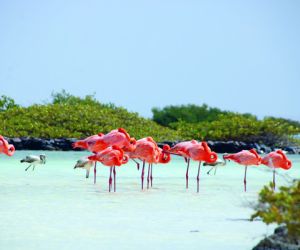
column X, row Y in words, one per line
column 281, row 207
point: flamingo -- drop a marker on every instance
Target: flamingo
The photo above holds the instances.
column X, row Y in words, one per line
column 246, row 158
column 146, row 150
column 111, row 157
column 6, row 148
column 86, row 164
column 118, row 137
column 34, row 160
column 181, row 149
column 164, row 158
column 215, row 164
column 88, row 144
column 201, row 152
column 275, row 160
column 195, row 151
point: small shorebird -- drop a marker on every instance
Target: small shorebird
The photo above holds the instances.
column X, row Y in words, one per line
column 215, row 164
column 86, row 164
column 34, row 160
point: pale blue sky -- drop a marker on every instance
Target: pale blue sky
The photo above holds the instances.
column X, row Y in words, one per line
column 236, row 55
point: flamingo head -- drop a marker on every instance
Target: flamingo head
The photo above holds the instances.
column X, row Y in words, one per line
column 288, row 165
column 125, row 159
column 6, row 148
column 211, row 157
column 285, row 162
column 164, row 156
column 131, row 145
column 10, row 150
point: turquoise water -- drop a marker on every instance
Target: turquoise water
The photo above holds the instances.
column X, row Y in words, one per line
column 55, row 207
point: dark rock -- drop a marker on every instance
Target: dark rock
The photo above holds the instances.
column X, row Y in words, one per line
column 170, row 143
column 65, row 144
column 278, row 241
column 265, row 149
column 292, row 150
column 225, row 147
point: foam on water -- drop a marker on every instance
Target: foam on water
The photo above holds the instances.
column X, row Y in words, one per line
column 55, row 207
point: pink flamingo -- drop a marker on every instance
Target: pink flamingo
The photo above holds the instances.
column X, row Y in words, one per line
column 118, row 137
column 164, row 158
column 6, row 148
column 96, row 143
column 146, row 150
column 275, row 160
column 88, row 144
column 246, row 158
column 111, row 157
column 181, row 149
column 201, row 152
column 195, row 151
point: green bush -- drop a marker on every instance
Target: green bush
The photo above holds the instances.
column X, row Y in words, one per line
column 271, row 131
column 70, row 116
column 281, row 207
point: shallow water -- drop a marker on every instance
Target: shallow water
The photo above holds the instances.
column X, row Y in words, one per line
column 56, row 207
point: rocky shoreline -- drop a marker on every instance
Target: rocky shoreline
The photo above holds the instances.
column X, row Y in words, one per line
column 65, row 144
column 278, row 241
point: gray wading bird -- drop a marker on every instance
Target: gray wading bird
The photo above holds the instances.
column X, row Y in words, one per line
column 215, row 164
column 34, row 160
column 86, row 164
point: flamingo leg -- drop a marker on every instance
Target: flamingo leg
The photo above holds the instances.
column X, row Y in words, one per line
column 110, row 179
column 114, row 170
column 87, row 173
column 215, row 170
column 198, row 176
column 137, row 164
column 148, row 176
column 142, row 175
column 151, row 177
column 273, row 178
column 245, row 179
column 95, row 172
column 187, row 174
